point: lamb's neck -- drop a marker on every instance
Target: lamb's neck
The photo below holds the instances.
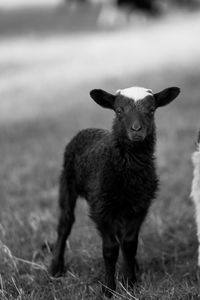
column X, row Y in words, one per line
column 135, row 153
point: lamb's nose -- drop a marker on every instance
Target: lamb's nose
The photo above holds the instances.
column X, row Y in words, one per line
column 136, row 126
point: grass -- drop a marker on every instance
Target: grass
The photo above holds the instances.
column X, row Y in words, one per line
column 31, row 156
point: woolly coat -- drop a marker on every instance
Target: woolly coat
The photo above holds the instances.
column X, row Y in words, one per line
column 116, row 176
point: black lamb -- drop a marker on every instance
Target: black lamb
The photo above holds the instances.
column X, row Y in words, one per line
column 115, row 172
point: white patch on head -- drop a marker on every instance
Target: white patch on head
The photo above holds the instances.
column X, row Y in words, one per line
column 135, row 93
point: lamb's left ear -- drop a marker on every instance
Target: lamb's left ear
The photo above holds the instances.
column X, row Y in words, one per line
column 103, row 98
column 166, row 96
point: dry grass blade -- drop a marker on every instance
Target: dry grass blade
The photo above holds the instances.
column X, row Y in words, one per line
column 33, row 264
column 18, row 290
column 127, row 292
column 116, row 294
column 2, row 291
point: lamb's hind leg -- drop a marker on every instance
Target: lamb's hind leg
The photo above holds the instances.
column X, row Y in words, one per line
column 67, row 201
column 110, row 255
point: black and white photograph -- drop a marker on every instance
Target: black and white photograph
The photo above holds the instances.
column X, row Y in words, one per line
column 99, row 149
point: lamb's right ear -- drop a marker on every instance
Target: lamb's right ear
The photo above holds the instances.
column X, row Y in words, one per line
column 103, row 98
column 166, row 96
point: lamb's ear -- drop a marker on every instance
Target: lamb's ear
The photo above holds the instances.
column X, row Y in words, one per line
column 166, row 96
column 103, row 98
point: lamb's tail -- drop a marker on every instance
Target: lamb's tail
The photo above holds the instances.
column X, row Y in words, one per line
column 195, row 189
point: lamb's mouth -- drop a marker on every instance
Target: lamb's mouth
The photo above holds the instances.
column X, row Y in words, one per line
column 136, row 138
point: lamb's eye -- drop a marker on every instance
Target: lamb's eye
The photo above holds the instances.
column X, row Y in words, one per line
column 119, row 111
column 152, row 111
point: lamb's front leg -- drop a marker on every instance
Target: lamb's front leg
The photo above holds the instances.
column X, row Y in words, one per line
column 129, row 249
column 129, row 246
column 110, row 255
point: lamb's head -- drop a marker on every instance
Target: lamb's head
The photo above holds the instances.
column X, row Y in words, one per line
column 134, row 108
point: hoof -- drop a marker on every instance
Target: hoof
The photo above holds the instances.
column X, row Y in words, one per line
column 131, row 276
column 107, row 292
column 129, row 281
column 57, row 269
column 109, row 289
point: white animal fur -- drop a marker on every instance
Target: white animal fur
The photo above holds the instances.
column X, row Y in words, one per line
column 135, row 93
column 195, row 193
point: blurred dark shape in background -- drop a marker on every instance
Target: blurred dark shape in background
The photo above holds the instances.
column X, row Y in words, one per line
column 75, row 1
column 149, row 6
column 187, row 3
column 118, row 12
column 146, row 5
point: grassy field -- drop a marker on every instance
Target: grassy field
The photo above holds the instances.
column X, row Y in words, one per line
column 31, row 155
column 30, row 159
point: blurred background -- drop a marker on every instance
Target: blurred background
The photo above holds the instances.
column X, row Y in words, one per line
column 52, row 53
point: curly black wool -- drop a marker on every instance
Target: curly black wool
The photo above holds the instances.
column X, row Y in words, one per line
column 115, row 172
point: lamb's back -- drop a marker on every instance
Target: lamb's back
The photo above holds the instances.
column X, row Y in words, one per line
column 85, row 155
column 87, row 140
